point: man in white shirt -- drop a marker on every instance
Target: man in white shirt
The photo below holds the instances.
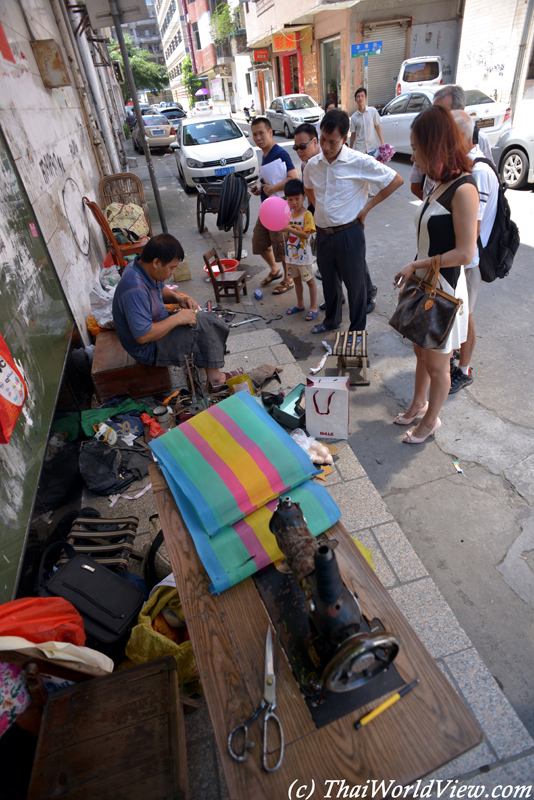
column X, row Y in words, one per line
column 365, row 131
column 488, row 189
column 338, row 180
column 450, row 96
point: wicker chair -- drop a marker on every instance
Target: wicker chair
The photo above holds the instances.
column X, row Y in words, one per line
column 118, row 250
column 124, row 187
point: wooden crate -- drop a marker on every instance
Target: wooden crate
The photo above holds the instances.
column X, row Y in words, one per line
column 120, row 737
column 114, row 372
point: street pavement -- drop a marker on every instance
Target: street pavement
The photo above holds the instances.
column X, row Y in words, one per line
column 474, row 532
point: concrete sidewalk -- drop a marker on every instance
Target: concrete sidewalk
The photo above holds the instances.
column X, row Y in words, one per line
column 507, row 754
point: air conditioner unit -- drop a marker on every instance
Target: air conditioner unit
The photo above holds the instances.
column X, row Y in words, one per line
column 119, row 74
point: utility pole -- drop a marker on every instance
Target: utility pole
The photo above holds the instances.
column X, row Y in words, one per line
column 116, row 14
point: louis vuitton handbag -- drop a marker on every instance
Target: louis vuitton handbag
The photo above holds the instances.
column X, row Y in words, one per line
column 425, row 313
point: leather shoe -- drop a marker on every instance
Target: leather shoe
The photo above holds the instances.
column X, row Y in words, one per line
column 374, row 291
column 323, row 305
column 371, row 305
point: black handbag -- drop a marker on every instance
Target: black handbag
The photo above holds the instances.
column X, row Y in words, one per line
column 425, row 313
column 108, row 604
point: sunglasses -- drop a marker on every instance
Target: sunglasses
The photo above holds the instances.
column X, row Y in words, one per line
column 303, row 146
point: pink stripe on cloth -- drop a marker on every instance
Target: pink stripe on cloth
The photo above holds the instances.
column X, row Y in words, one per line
column 232, row 482
column 251, row 540
column 249, row 445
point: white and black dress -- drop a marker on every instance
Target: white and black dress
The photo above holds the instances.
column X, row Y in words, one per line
column 435, row 235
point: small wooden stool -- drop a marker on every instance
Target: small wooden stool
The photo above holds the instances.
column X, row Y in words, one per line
column 114, row 372
column 352, row 357
column 227, row 283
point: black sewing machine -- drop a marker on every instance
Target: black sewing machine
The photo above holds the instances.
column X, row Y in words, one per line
column 329, row 643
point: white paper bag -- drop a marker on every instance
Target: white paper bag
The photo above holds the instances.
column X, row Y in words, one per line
column 327, row 407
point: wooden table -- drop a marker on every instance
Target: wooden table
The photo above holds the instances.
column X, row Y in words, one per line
column 424, row 730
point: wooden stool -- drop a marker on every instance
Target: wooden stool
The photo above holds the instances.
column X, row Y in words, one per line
column 115, row 372
column 121, row 736
column 352, row 357
column 227, row 283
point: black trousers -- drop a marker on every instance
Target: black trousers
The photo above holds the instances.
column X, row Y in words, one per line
column 341, row 259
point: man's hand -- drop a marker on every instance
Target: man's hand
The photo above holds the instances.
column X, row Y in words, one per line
column 185, row 317
column 268, row 190
column 256, row 191
column 185, row 301
column 363, row 214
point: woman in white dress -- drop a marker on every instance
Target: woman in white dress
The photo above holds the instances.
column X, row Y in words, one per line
column 446, row 224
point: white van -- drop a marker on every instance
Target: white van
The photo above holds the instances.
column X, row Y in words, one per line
column 420, row 72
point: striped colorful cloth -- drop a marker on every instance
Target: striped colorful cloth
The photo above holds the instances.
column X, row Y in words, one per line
column 229, row 461
column 226, row 469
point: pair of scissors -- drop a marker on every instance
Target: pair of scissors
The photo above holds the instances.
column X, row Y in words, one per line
column 268, row 705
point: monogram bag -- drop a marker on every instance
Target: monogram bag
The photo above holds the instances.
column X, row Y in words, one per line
column 425, row 313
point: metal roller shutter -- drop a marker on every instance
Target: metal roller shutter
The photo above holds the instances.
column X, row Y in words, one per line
column 384, row 69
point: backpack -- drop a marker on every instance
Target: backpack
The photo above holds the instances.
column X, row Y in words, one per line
column 497, row 257
column 127, row 220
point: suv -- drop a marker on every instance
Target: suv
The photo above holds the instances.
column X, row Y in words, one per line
column 419, row 73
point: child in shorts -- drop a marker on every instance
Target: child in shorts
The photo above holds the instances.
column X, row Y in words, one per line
column 299, row 258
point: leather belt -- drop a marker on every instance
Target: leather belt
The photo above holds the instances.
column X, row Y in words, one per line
column 338, row 227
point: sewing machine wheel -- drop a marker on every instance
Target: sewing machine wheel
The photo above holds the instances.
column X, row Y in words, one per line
column 358, row 660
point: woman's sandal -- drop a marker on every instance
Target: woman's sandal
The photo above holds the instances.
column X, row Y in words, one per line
column 402, row 419
column 283, row 286
column 409, row 438
column 270, row 278
column 295, row 310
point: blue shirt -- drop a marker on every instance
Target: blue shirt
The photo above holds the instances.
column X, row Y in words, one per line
column 137, row 304
column 274, row 153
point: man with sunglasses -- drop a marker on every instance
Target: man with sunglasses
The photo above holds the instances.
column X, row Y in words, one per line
column 339, row 182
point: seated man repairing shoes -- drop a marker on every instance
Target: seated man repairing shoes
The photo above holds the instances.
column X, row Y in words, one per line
column 146, row 329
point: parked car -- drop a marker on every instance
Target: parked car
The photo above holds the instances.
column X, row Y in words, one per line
column 419, row 73
column 173, row 112
column 287, row 112
column 160, row 133
column 397, row 116
column 514, row 156
column 207, row 149
column 203, row 107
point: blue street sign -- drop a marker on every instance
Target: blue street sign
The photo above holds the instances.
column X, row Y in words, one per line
column 365, row 49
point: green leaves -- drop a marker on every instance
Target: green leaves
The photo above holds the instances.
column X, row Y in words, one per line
column 147, row 74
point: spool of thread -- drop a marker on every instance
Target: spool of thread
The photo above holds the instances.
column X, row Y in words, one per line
column 161, row 415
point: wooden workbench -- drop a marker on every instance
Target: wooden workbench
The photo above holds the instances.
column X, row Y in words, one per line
column 424, row 730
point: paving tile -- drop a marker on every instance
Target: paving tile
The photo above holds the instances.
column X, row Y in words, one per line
column 247, row 359
column 501, row 725
column 290, row 377
column 252, row 340
column 360, row 504
column 517, row 773
column 382, row 570
column 348, row 464
column 431, row 618
column 480, row 756
column 331, row 479
column 399, row 552
column 282, row 354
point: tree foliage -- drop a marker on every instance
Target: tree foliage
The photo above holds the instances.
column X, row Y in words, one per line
column 191, row 81
column 223, row 23
column 147, row 74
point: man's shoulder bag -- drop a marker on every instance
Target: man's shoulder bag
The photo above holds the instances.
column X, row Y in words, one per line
column 425, row 313
column 108, row 604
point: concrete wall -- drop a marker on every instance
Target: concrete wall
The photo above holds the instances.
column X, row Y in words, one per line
column 46, row 133
column 491, row 34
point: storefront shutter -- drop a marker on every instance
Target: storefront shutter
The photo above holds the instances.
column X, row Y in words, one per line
column 383, row 69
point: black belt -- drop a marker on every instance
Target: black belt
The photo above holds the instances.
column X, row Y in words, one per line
column 338, row 227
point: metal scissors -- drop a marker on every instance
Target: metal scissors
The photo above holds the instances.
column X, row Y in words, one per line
column 268, row 705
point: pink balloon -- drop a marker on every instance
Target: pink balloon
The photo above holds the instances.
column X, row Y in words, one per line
column 275, row 213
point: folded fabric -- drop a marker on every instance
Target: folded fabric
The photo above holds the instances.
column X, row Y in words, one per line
column 244, row 548
column 90, row 661
column 229, row 461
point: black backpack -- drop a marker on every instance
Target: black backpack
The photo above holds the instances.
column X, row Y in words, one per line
column 497, row 257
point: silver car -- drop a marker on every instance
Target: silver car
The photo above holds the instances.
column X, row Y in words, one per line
column 159, row 131
column 514, row 156
column 288, row 112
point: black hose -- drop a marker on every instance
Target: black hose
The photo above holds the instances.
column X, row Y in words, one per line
column 233, row 192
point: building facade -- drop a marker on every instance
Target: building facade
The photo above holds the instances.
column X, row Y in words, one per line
column 172, row 26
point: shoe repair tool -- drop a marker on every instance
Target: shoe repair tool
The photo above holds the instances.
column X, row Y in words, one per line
column 386, row 704
column 243, row 322
column 196, row 405
column 268, row 705
column 273, row 319
column 347, row 657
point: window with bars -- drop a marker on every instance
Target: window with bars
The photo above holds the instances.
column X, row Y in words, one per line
column 168, row 16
